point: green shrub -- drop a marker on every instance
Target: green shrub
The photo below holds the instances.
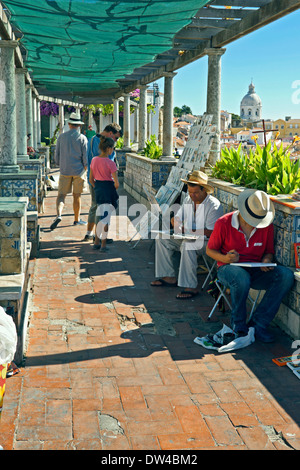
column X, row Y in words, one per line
column 268, row 169
column 152, row 149
column 120, row 143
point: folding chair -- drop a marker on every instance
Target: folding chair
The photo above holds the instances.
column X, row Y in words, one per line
column 210, row 270
column 222, row 294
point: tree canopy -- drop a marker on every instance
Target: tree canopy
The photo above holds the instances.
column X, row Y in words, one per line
column 178, row 112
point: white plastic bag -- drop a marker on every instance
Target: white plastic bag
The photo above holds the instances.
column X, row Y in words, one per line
column 8, row 338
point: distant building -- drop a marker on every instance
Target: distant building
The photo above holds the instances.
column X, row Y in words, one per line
column 251, row 106
column 226, row 121
column 287, row 127
column 246, row 136
column 188, row 118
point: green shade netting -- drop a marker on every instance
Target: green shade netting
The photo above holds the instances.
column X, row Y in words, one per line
column 90, row 44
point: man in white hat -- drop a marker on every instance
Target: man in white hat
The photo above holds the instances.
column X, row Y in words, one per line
column 197, row 216
column 245, row 236
column 71, row 157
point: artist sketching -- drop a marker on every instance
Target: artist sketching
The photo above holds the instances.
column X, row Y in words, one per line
column 247, row 235
column 196, row 216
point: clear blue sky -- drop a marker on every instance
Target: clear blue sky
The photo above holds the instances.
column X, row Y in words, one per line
column 270, row 56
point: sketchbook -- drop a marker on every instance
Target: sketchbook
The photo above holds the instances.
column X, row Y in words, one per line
column 254, row 265
column 177, row 235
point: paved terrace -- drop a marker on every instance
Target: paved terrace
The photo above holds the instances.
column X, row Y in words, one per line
column 111, row 362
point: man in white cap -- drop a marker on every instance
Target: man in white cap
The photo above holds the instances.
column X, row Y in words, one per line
column 247, row 235
column 197, row 216
column 71, row 157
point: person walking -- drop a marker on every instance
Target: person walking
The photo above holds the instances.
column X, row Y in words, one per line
column 71, row 157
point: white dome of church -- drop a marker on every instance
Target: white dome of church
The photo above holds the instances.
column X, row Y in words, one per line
column 251, row 107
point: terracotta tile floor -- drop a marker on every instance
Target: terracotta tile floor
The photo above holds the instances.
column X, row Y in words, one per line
column 111, row 363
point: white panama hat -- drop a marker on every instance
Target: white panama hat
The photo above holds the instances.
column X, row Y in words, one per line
column 256, row 208
column 75, row 119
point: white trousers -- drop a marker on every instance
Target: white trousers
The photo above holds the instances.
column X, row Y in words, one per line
column 164, row 267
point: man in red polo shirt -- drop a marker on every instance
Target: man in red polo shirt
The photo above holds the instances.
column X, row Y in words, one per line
column 247, row 235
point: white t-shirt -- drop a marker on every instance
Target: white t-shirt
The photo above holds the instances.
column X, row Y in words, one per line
column 208, row 212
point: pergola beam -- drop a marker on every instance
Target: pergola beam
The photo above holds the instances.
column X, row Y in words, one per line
column 268, row 12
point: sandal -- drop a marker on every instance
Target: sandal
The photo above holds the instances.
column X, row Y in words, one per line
column 12, row 369
column 163, row 283
column 186, row 294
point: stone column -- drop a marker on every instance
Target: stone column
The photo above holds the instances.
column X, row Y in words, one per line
column 21, row 114
column 61, row 118
column 136, row 124
column 38, row 126
column 168, row 115
column 213, row 104
column 29, row 116
column 160, row 127
column 8, row 133
column 100, row 120
column 116, row 110
column 149, row 124
column 126, row 130
column 90, row 118
column 34, row 120
column 142, row 117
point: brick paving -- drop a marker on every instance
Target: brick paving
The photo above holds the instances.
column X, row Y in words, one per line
column 111, row 363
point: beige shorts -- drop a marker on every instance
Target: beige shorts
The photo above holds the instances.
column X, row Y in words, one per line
column 66, row 182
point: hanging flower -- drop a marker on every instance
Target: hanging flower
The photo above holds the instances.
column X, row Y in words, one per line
column 296, row 139
column 70, row 109
column 135, row 93
column 255, row 137
column 49, row 109
column 277, row 135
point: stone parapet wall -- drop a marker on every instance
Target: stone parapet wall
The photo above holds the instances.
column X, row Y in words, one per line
column 141, row 171
column 37, row 165
column 25, row 183
column 13, row 238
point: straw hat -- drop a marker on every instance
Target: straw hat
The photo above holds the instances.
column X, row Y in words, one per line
column 256, row 208
column 200, row 178
column 75, row 119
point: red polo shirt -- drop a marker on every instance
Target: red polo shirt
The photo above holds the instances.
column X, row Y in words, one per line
column 228, row 236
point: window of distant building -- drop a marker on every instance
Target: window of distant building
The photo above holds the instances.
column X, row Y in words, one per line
column 282, row 127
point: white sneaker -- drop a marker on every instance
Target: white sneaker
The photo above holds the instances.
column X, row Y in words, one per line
column 239, row 342
column 207, row 342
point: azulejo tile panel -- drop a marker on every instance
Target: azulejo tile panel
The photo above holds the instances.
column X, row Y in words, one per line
column 20, row 188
